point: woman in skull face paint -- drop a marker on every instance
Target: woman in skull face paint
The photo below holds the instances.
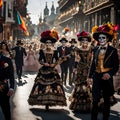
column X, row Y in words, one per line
column 81, row 95
column 104, row 65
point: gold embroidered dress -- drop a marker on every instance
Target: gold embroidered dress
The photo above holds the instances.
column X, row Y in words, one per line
column 81, row 96
column 48, row 88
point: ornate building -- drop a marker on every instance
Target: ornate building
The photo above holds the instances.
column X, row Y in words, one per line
column 81, row 15
column 8, row 19
column 71, row 15
column 49, row 19
column 100, row 11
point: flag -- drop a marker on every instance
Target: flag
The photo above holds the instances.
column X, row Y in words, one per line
column 1, row 3
column 21, row 22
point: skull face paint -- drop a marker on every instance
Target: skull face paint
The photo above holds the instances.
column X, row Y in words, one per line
column 84, row 42
column 102, row 39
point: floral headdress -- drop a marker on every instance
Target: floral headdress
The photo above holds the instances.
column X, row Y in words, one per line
column 83, row 34
column 49, row 35
column 65, row 30
column 108, row 29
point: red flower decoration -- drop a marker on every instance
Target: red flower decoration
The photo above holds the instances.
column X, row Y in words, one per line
column 46, row 34
column 83, row 34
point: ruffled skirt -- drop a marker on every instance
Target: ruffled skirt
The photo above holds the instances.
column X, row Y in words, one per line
column 47, row 89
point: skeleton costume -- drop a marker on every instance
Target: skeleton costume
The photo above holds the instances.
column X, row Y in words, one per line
column 104, row 65
column 81, row 95
column 47, row 89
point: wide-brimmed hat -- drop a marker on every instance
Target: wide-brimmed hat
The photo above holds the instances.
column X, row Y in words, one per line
column 107, row 29
column 51, row 35
column 63, row 39
column 19, row 42
column 84, row 34
column 73, row 40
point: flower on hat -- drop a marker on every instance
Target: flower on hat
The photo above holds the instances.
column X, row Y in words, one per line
column 65, row 30
column 83, row 34
column 49, row 35
column 45, row 34
column 108, row 28
column 54, row 34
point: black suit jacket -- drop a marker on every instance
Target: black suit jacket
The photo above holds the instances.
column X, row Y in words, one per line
column 6, row 70
column 19, row 54
column 67, row 52
column 110, row 61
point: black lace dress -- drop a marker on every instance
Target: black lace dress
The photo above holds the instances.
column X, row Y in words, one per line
column 81, row 96
column 48, row 87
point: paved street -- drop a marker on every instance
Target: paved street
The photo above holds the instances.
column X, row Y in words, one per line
column 22, row 111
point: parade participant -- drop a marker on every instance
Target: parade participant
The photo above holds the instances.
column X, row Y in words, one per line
column 20, row 52
column 63, row 51
column 30, row 61
column 5, row 50
column 80, row 97
column 104, row 65
column 48, row 89
column 71, row 61
column 6, row 84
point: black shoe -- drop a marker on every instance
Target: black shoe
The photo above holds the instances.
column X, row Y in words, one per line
column 47, row 107
column 118, row 91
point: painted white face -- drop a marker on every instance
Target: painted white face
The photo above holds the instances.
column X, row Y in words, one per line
column 48, row 43
column 102, row 39
column 63, row 43
column 84, row 42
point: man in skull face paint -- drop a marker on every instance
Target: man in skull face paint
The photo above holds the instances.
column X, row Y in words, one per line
column 104, row 65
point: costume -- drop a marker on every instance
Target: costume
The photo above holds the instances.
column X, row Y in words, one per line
column 6, row 83
column 81, row 96
column 104, row 65
column 31, row 62
column 71, row 61
column 63, row 51
column 20, row 52
column 48, row 89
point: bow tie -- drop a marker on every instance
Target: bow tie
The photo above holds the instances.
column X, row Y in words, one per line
column 103, row 48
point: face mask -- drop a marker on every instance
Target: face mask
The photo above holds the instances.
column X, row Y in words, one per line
column 102, row 39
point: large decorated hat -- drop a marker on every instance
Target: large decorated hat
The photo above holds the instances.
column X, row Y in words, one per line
column 107, row 28
column 83, row 34
column 51, row 35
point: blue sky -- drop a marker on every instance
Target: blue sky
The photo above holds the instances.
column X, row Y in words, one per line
column 35, row 8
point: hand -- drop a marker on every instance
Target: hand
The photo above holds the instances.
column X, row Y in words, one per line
column 52, row 65
column 75, row 70
column 89, row 81
column 10, row 92
column 46, row 64
column 106, row 76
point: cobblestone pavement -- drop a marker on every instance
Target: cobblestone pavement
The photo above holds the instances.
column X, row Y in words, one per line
column 21, row 110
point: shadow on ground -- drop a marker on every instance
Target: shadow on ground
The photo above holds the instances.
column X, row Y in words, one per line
column 52, row 114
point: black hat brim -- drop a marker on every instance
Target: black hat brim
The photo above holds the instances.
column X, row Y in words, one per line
column 43, row 40
column 80, row 38
column 96, row 35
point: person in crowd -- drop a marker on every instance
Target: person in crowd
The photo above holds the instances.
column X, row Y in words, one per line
column 20, row 52
column 6, row 84
column 48, row 88
column 30, row 61
column 105, row 64
column 80, row 99
column 5, row 50
column 71, row 61
column 63, row 51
